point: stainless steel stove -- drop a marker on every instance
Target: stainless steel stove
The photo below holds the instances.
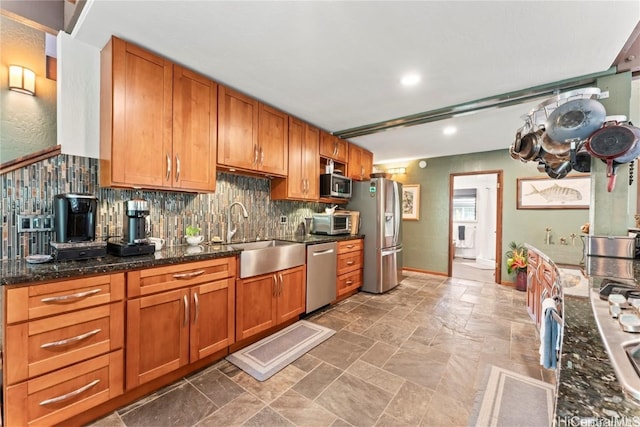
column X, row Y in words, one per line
column 616, row 307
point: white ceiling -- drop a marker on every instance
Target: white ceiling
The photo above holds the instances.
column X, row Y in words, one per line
column 337, row 64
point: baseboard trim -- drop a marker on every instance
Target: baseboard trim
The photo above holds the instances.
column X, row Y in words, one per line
column 418, row 270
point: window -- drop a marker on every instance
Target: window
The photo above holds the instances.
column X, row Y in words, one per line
column 464, row 204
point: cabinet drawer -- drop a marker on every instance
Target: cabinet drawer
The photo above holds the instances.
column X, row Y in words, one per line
column 159, row 279
column 35, row 301
column 349, row 281
column 349, row 262
column 349, row 246
column 43, row 345
column 55, row 397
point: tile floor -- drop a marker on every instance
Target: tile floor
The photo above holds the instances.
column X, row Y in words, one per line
column 415, row 356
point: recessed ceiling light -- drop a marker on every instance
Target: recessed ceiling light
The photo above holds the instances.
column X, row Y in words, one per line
column 449, row 130
column 410, row 80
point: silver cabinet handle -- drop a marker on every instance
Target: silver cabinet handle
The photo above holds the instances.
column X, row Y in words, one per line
column 350, row 262
column 281, row 284
column 335, row 148
column 348, row 282
column 177, row 167
column 275, row 286
column 196, row 301
column 186, row 311
column 255, row 154
column 70, row 394
column 188, row 275
column 168, row 167
column 261, row 156
column 350, row 246
column 70, row 340
column 65, row 298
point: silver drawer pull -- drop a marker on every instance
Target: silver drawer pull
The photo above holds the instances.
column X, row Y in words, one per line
column 349, row 282
column 188, row 275
column 65, row 298
column 69, row 395
column 70, row 340
column 350, row 246
column 349, row 262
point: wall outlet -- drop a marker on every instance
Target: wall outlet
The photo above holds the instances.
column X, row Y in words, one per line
column 283, row 219
column 28, row 223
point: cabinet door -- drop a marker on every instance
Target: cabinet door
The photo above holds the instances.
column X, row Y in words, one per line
column 273, row 134
column 255, row 305
column 237, row 129
column 366, row 161
column 157, row 336
column 333, row 147
column 311, row 162
column 195, row 118
column 296, row 184
column 213, row 316
column 141, row 118
column 290, row 293
column 355, row 162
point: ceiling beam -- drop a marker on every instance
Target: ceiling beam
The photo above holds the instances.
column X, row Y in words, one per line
column 498, row 101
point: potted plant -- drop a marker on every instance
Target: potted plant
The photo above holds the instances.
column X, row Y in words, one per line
column 517, row 263
column 193, row 235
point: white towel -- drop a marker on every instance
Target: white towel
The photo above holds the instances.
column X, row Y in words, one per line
column 547, row 304
column 469, row 237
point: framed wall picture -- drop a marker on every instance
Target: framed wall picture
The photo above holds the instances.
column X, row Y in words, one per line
column 411, row 202
column 572, row 192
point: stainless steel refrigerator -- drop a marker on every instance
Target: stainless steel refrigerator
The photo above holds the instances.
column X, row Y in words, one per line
column 379, row 201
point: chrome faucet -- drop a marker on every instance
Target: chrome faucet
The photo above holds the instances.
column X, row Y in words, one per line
column 230, row 231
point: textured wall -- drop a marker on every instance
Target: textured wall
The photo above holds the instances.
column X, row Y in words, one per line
column 27, row 123
column 30, row 190
column 426, row 241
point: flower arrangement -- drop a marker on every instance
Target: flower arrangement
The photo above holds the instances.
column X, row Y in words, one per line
column 516, row 258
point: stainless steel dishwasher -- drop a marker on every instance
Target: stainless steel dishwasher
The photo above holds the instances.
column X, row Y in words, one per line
column 322, row 262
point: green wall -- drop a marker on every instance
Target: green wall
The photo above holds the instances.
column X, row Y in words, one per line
column 426, row 241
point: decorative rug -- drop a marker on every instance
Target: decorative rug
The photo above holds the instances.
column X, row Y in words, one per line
column 511, row 399
column 266, row 357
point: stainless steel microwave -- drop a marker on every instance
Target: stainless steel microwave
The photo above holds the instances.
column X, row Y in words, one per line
column 335, row 223
column 334, row 185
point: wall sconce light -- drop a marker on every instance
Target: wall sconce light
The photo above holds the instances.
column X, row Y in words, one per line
column 22, row 80
column 397, row 171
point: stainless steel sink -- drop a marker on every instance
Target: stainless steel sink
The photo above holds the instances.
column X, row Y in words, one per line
column 267, row 256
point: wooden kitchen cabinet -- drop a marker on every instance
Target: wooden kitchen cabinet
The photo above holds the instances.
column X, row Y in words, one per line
column 265, row 301
column 62, row 348
column 190, row 317
column 360, row 163
column 158, row 122
column 349, row 267
column 302, row 182
column 252, row 137
column 332, row 147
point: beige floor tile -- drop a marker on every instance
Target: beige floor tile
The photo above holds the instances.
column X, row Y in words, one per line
column 376, row 376
column 273, row 387
column 302, row 411
column 410, row 404
column 234, row 413
column 317, row 380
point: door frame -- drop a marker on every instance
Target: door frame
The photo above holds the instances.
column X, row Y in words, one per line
column 499, row 179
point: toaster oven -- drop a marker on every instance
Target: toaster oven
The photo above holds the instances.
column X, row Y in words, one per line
column 332, row 224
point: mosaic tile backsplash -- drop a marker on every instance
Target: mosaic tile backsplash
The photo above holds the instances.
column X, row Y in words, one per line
column 30, row 191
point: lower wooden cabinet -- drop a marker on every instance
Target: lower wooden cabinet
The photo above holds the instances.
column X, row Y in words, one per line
column 171, row 329
column 350, row 263
column 52, row 398
column 265, row 301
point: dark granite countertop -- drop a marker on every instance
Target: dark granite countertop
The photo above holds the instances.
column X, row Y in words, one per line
column 21, row 272
column 588, row 391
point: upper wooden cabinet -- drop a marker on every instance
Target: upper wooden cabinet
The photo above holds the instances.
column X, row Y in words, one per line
column 333, row 147
column 302, row 182
column 195, row 127
column 157, row 124
column 360, row 163
column 252, row 137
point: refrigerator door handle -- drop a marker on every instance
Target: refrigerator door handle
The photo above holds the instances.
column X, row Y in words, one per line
column 391, row 251
column 398, row 213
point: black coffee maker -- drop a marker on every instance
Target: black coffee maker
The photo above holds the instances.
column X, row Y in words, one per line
column 75, row 227
column 134, row 230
